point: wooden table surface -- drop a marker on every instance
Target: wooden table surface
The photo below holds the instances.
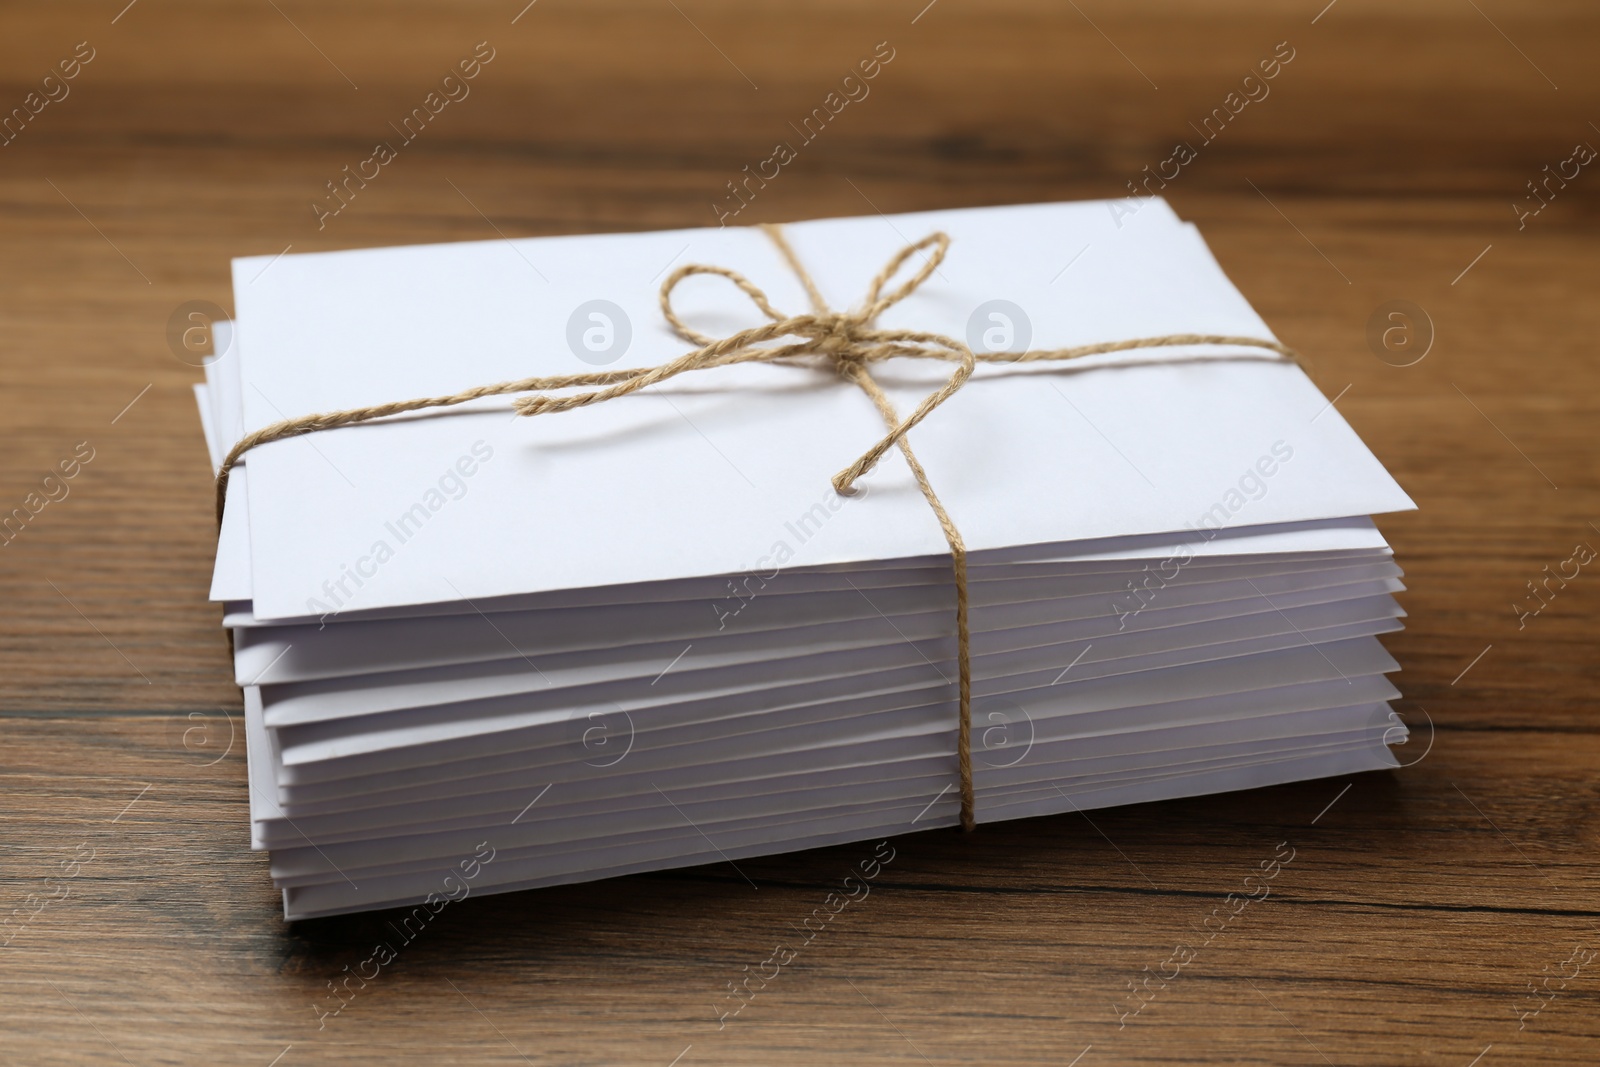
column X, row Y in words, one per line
column 1444, row 913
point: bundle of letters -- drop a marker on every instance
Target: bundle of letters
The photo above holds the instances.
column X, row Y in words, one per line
column 484, row 651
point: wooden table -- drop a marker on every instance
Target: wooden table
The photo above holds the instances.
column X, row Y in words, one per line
column 1441, row 914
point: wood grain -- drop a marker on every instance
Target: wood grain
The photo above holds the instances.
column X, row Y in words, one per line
column 1382, row 166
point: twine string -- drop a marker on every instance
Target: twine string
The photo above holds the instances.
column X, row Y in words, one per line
column 848, row 339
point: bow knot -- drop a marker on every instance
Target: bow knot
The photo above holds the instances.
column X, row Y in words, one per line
column 847, row 339
column 841, row 336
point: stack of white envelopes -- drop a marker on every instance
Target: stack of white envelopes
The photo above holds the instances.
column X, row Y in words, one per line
column 483, row 652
